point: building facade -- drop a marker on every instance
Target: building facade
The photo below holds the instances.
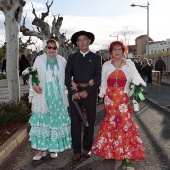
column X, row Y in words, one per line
column 159, row 46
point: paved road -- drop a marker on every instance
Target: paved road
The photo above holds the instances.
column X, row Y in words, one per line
column 154, row 128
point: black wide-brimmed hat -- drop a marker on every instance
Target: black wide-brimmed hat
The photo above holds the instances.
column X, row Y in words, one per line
column 77, row 34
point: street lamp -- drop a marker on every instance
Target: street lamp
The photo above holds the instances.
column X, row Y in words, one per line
column 114, row 36
column 147, row 7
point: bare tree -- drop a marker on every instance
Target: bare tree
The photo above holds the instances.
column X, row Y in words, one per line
column 24, row 45
column 12, row 10
column 127, row 32
column 44, row 31
column 27, row 32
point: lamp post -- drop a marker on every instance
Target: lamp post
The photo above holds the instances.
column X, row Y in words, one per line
column 114, row 36
column 147, row 7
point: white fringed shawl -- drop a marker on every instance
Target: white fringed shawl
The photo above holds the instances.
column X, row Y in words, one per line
column 38, row 100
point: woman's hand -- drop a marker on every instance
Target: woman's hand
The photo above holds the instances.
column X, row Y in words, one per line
column 38, row 89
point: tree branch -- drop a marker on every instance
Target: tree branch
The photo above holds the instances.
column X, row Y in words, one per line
column 45, row 14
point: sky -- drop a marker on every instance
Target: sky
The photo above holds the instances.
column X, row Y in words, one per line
column 103, row 18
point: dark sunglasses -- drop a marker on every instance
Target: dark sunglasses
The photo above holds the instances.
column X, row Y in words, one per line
column 49, row 47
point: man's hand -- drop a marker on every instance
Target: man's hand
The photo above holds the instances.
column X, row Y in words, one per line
column 91, row 82
column 74, row 85
column 38, row 89
column 83, row 94
column 76, row 96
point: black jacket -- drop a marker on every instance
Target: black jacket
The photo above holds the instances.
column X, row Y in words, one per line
column 146, row 70
column 82, row 70
column 160, row 65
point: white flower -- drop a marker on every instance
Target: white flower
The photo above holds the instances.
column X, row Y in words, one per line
column 99, row 145
column 121, row 92
column 108, row 134
column 110, row 140
column 107, row 101
column 123, row 108
column 34, row 69
column 26, row 71
column 29, row 71
column 110, row 154
column 112, row 119
column 124, row 98
column 126, row 127
column 121, row 150
column 116, row 143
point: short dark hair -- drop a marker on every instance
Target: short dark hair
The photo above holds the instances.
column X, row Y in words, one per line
column 98, row 52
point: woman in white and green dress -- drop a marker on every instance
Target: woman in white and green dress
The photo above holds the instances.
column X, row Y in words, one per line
column 50, row 122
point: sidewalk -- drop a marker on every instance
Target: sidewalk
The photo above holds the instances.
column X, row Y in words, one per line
column 18, row 137
column 4, row 96
column 161, row 99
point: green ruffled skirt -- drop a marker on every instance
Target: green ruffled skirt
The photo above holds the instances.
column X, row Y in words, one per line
column 51, row 131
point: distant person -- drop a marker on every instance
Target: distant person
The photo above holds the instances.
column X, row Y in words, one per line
column 145, row 72
column 160, row 65
column 150, row 75
column 4, row 66
column 138, row 65
column 99, row 54
column 23, row 64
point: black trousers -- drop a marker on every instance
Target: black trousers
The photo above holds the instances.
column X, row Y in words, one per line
column 76, row 124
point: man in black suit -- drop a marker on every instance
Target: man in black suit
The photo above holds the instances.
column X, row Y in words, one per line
column 82, row 67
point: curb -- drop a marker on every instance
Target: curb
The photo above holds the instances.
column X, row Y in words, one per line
column 13, row 142
column 157, row 104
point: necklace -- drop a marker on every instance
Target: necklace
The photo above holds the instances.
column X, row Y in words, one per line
column 116, row 72
column 113, row 62
column 116, row 75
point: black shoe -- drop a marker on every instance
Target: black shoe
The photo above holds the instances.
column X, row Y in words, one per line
column 86, row 154
column 76, row 157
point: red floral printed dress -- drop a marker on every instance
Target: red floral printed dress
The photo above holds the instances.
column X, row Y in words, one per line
column 118, row 137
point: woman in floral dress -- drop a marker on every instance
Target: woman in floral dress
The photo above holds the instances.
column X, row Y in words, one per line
column 118, row 137
column 50, row 122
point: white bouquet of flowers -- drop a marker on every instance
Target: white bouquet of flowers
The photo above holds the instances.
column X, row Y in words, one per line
column 31, row 71
column 32, row 74
column 136, row 89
